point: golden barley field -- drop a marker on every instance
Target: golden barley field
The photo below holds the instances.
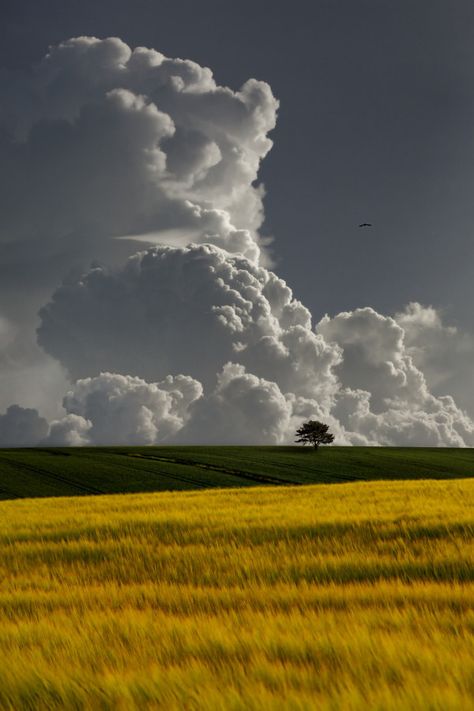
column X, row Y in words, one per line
column 347, row 596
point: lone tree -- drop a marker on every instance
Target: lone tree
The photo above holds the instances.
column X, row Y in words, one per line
column 314, row 433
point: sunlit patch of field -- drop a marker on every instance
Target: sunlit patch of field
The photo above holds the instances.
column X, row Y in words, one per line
column 355, row 596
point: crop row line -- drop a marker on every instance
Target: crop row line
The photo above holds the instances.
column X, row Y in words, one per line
column 51, row 475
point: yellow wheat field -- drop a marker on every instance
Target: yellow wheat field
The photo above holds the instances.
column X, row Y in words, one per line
column 354, row 596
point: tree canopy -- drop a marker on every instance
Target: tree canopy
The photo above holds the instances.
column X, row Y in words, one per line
column 315, row 433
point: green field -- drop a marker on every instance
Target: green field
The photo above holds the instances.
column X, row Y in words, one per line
column 326, row 598
column 109, row 470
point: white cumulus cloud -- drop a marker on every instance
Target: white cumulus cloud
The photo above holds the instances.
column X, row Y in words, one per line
column 385, row 397
column 188, row 310
column 193, row 310
column 243, row 409
column 444, row 353
column 120, row 409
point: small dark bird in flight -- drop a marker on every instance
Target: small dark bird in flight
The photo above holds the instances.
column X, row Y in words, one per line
column 365, row 224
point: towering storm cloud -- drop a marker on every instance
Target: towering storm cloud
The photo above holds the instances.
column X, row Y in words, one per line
column 105, row 141
column 189, row 338
column 97, row 143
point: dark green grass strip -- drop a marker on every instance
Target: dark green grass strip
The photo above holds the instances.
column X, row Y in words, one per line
column 166, row 474
column 93, row 470
column 37, row 471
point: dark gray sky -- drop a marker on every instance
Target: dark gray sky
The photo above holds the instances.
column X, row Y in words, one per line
column 375, row 125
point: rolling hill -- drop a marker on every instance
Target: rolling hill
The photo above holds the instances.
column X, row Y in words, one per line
column 108, row 470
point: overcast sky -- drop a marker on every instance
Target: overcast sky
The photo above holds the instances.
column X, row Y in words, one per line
column 373, row 101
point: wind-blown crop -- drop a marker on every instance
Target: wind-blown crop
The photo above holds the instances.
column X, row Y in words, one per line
column 351, row 596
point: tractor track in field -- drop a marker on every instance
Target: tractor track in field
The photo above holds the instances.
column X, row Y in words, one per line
column 177, row 477
column 307, row 480
column 304, row 470
column 260, row 478
column 50, row 475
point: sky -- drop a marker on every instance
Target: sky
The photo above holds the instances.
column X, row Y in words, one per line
column 364, row 114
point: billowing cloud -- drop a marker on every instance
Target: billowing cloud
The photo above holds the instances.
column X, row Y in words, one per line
column 198, row 341
column 69, row 431
column 119, row 409
column 386, row 398
column 375, row 356
column 188, row 310
column 243, row 409
column 21, row 427
column 110, row 141
column 192, row 310
column 101, row 145
column 444, row 353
